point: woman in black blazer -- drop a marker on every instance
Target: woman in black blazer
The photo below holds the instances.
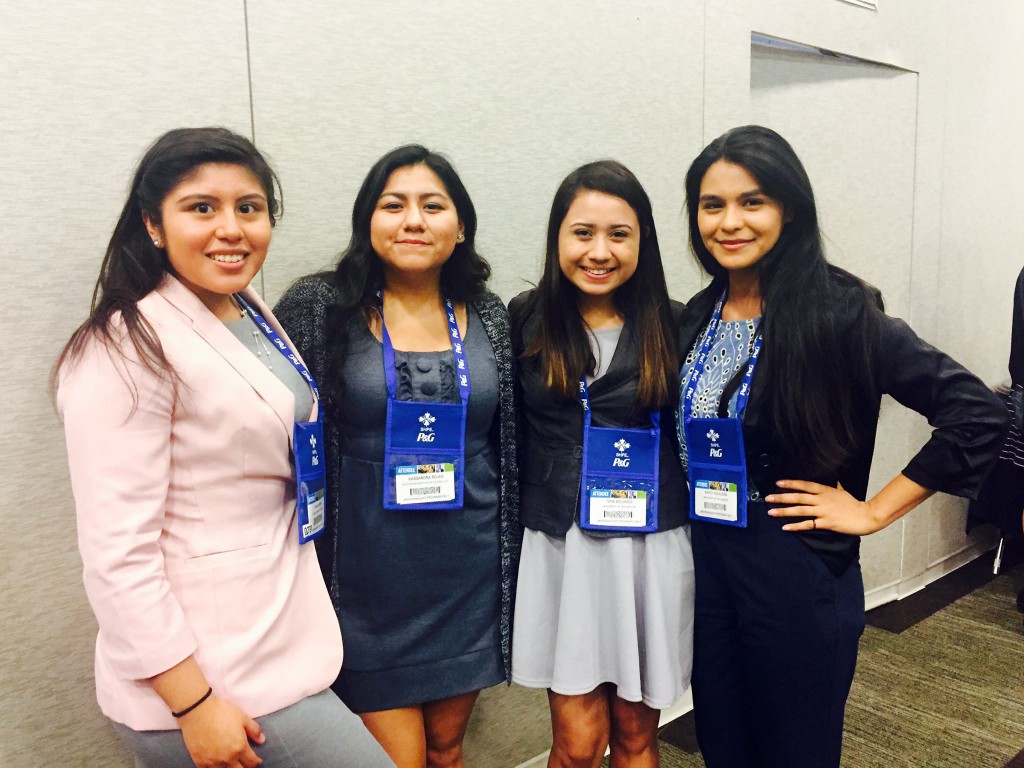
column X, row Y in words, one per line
column 604, row 611
column 1001, row 498
column 780, row 604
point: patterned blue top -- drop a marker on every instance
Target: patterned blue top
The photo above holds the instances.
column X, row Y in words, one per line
column 731, row 351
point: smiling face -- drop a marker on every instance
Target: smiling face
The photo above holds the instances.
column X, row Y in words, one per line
column 415, row 226
column 598, row 244
column 738, row 223
column 215, row 228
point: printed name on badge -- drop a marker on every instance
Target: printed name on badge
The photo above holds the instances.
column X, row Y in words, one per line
column 421, row 483
column 618, row 507
column 425, row 441
column 619, row 481
column 716, row 499
column 315, row 512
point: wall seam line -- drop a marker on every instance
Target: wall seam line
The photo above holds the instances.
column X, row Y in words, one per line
column 704, row 81
column 252, row 105
column 248, row 70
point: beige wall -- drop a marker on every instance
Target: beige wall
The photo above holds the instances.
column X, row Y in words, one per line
column 517, row 95
column 84, row 88
column 516, row 99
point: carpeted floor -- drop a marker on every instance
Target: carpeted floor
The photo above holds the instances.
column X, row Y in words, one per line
column 947, row 692
column 945, row 689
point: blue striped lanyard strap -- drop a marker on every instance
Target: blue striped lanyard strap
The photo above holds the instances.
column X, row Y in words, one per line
column 461, row 366
column 277, row 341
column 702, row 356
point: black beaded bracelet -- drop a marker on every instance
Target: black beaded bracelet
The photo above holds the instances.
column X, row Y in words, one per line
column 186, row 710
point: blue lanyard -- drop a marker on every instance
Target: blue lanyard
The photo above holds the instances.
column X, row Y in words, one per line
column 278, row 342
column 585, row 402
column 702, row 356
column 461, row 366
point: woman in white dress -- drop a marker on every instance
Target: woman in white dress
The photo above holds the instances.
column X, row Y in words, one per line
column 604, row 613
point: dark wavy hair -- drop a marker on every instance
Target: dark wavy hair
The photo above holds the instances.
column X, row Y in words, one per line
column 561, row 342
column 133, row 266
column 360, row 272
column 810, row 383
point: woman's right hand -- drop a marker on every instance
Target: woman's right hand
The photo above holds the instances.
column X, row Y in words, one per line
column 217, row 735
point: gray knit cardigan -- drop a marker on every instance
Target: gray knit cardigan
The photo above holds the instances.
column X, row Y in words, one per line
column 302, row 311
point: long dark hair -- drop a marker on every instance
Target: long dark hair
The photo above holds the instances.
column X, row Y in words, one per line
column 561, row 341
column 133, row 266
column 360, row 272
column 810, row 382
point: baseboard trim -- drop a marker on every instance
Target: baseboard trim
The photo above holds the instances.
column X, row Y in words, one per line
column 886, row 593
column 898, row 590
column 535, row 761
column 677, row 710
column 971, row 552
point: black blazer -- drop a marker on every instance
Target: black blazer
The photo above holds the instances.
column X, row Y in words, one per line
column 551, row 449
column 1017, row 334
column 968, row 420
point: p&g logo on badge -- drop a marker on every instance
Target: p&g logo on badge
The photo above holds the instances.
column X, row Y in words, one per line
column 621, row 457
column 315, row 457
column 426, row 434
column 716, row 450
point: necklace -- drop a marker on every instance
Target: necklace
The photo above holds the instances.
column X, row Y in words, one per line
column 262, row 349
column 259, row 343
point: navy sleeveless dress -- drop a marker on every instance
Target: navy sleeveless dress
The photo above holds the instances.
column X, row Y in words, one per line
column 420, row 590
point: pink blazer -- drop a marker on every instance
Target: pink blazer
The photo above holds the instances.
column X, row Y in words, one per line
column 186, row 520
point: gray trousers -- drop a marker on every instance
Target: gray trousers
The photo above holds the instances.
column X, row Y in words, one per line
column 317, row 732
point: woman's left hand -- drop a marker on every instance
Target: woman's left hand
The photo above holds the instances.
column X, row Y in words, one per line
column 829, row 509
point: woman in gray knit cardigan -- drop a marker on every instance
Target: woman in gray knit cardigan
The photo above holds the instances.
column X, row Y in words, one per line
column 414, row 362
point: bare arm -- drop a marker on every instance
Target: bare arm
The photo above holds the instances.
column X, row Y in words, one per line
column 833, row 509
column 216, row 733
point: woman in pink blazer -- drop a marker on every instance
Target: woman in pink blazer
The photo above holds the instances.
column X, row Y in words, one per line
column 182, row 401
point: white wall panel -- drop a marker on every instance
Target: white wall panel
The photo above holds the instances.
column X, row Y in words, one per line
column 979, row 255
column 908, row 35
column 84, row 88
column 853, row 126
column 982, row 252
column 912, row 36
column 516, row 94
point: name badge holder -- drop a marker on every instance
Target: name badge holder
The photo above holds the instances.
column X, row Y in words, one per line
column 307, row 444
column 619, row 485
column 714, row 446
column 425, row 441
